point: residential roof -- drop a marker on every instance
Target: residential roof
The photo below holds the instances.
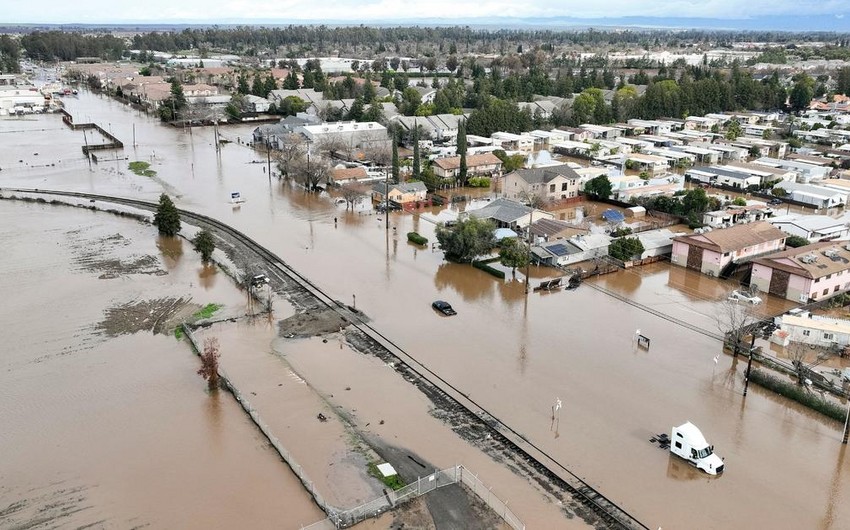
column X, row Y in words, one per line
column 734, row 238
column 349, row 173
column 551, row 227
column 545, row 174
column 818, row 259
column 453, row 162
column 503, row 210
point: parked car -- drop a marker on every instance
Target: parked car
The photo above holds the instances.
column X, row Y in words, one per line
column 740, row 296
column 774, row 202
column 444, row 308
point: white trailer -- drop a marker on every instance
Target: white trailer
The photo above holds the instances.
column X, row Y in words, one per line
column 687, row 442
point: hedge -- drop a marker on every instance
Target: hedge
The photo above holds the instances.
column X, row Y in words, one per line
column 798, row 393
column 413, row 237
column 487, row 268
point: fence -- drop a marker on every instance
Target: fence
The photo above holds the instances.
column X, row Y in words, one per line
column 422, row 486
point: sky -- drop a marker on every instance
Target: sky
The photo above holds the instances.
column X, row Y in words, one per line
column 284, row 11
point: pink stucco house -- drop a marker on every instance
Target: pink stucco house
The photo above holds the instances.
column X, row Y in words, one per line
column 812, row 272
column 709, row 252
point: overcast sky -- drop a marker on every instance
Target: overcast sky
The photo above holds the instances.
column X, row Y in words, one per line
column 164, row 11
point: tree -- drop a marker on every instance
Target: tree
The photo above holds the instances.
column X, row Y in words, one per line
column 796, row 241
column 734, row 321
column 209, row 362
column 695, row 201
column 755, row 151
column 513, row 254
column 291, row 149
column 352, row 193
column 510, row 162
column 625, row 248
column 395, row 158
column 739, row 201
column 467, row 239
column 461, row 150
column 600, row 187
column 204, row 243
column 416, row 161
column 733, row 130
column 167, row 217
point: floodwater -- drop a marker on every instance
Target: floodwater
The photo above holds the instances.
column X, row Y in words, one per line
column 113, row 429
column 513, row 354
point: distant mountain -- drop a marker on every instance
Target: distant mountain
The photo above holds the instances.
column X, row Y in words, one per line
column 803, row 23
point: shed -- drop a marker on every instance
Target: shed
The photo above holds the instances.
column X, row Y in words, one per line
column 636, row 211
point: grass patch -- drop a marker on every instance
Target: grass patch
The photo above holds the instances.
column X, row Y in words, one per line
column 798, row 393
column 178, row 332
column 207, row 311
column 142, row 169
column 394, row 482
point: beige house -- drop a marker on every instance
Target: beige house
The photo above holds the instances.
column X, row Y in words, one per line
column 483, row 164
column 551, row 183
column 404, row 193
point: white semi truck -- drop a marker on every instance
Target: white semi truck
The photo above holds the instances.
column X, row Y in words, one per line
column 687, row 442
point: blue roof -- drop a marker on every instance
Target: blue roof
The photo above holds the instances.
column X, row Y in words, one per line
column 558, row 250
column 613, row 216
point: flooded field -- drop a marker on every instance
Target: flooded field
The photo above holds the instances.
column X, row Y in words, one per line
column 105, row 422
column 513, row 354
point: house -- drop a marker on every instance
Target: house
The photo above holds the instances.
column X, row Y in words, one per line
column 727, row 152
column 812, row 227
column 750, row 213
column 817, row 196
column 351, row 140
column 811, row 272
column 550, row 182
column 552, row 229
column 656, row 242
column 601, row 132
column 624, row 187
column 403, row 193
column 509, row 214
column 650, row 163
column 817, row 330
column 578, row 248
column 710, row 252
column 483, row 164
column 652, row 126
column 700, row 123
column 347, row 175
column 513, row 142
column 806, row 172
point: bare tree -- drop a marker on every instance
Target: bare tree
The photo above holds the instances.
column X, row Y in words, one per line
column 209, row 362
column 293, row 149
column 353, row 192
column 735, row 320
column 804, row 357
column 310, row 171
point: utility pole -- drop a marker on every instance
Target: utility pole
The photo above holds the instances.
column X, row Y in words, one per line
column 134, row 134
column 269, row 158
column 387, row 202
column 88, row 155
column 749, row 363
column 528, row 263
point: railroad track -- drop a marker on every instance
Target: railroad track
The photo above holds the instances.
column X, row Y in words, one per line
column 608, row 511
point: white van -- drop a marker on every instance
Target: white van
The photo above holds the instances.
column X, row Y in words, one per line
column 687, row 442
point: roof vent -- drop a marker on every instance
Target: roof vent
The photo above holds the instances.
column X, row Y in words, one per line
column 808, row 258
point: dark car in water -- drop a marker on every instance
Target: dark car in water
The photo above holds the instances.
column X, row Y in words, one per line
column 444, row 308
column 774, row 202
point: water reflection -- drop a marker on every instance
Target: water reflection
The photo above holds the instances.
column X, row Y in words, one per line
column 679, row 470
column 834, row 494
column 171, row 249
column 207, row 275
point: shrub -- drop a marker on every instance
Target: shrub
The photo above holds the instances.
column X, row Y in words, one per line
column 478, row 182
column 413, row 237
column 488, row 269
column 798, row 393
column 796, row 241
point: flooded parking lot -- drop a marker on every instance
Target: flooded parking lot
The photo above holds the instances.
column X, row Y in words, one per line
column 514, row 354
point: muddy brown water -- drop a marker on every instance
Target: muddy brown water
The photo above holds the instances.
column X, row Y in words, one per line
column 515, row 355
column 116, row 430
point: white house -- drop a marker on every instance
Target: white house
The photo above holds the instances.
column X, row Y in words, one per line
column 812, row 227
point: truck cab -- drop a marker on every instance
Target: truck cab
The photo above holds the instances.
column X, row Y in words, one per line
column 687, row 441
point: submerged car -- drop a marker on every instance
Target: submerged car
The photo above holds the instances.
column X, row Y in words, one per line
column 740, row 296
column 774, row 202
column 444, row 308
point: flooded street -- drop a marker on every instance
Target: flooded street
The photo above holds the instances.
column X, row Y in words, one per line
column 513, row 354
column 110, row 428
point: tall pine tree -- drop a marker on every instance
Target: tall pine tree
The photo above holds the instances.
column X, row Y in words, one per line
column 395, row 158
column 416, row 170
column 461, row 151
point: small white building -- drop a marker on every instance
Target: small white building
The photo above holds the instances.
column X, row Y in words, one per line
column 802, row 326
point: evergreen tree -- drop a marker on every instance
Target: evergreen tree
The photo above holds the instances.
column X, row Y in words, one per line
column 395, row 158
column 291, row 80
column 204, row 244
column 355, row 113
column 269, row 85
column 242, row 84
column 461, row 150
column 416, row 170
column 258, row 87
column 167, row 218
